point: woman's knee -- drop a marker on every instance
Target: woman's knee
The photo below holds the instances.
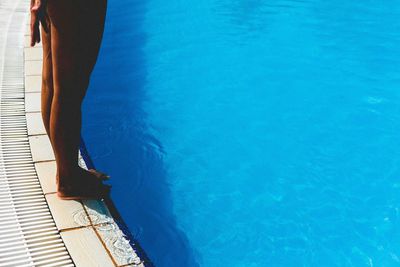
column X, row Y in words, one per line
column 47, row 83
column 72, row 93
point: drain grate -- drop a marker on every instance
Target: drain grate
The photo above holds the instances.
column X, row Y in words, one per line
column 28, row 234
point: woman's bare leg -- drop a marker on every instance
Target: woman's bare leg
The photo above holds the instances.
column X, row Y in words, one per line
column 74, row 48
column 47, row 80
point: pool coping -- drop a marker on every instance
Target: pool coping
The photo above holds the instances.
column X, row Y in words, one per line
column 83, row 224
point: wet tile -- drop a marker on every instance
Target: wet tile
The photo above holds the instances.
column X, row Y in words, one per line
column 98, row 211
column 33, row 67
column 86, row 249
column 35, row 123
column 67, row 213
column 41, row 148
column 117, row 244
column 33, row 53
column 33, row 83
column 46, row 172
column 134, row 265
column 81, row 161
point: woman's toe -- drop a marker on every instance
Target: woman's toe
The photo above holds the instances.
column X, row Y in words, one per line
column 99, row 175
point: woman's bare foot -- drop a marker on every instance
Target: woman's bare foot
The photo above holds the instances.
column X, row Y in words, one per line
column 83, row 185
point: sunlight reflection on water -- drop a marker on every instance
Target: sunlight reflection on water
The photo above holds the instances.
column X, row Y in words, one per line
column 252, row 133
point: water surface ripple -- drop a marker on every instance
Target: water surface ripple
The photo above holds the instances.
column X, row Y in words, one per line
column 251, row 132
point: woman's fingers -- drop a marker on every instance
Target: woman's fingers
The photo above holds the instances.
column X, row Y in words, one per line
column 36, row 6
column 37, row 34
column 35, row 37
column 34, row 28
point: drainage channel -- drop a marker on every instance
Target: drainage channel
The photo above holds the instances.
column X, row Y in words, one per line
column 28, row 233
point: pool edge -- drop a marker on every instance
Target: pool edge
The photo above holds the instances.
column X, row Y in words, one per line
column 115, row 213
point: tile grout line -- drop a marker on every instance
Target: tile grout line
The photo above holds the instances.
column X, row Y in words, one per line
column 85, row 226
column 98, row 235
column 40, row 134
column 73, row 228
column 43, row 161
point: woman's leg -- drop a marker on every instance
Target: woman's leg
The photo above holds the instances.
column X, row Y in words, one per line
column 66, row 103
column 71, row 40
column 47, row 80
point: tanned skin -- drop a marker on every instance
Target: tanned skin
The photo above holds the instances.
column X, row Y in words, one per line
column 71, row 35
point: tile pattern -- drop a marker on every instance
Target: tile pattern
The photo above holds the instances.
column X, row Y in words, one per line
column 119, row 246
column 64, row 212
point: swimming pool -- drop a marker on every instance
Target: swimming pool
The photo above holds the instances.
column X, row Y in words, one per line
column 252, row 133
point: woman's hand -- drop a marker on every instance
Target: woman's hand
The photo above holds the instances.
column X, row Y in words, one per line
column 38, row 15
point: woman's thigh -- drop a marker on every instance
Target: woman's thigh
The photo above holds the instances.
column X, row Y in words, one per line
column 93, row 19
column 76, row 33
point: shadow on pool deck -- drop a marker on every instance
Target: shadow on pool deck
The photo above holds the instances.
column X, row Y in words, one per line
column 118, row 141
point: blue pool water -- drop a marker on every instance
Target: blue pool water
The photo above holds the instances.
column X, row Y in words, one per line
column 250, row 132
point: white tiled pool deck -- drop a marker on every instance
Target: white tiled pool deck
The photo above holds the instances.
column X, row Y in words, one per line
column 36, row 227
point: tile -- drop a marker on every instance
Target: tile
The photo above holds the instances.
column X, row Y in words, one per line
column 33, row 67
column 86, row 249
column 81, row 161
column 98, row 211
column 41, row 148
column 27, row 40
column 117, row 244
column 32, row 102
column 35, row 123
column 27, row 31
column 33, row 53
column 33, row 83
column 67, row 213
column 46, row 172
